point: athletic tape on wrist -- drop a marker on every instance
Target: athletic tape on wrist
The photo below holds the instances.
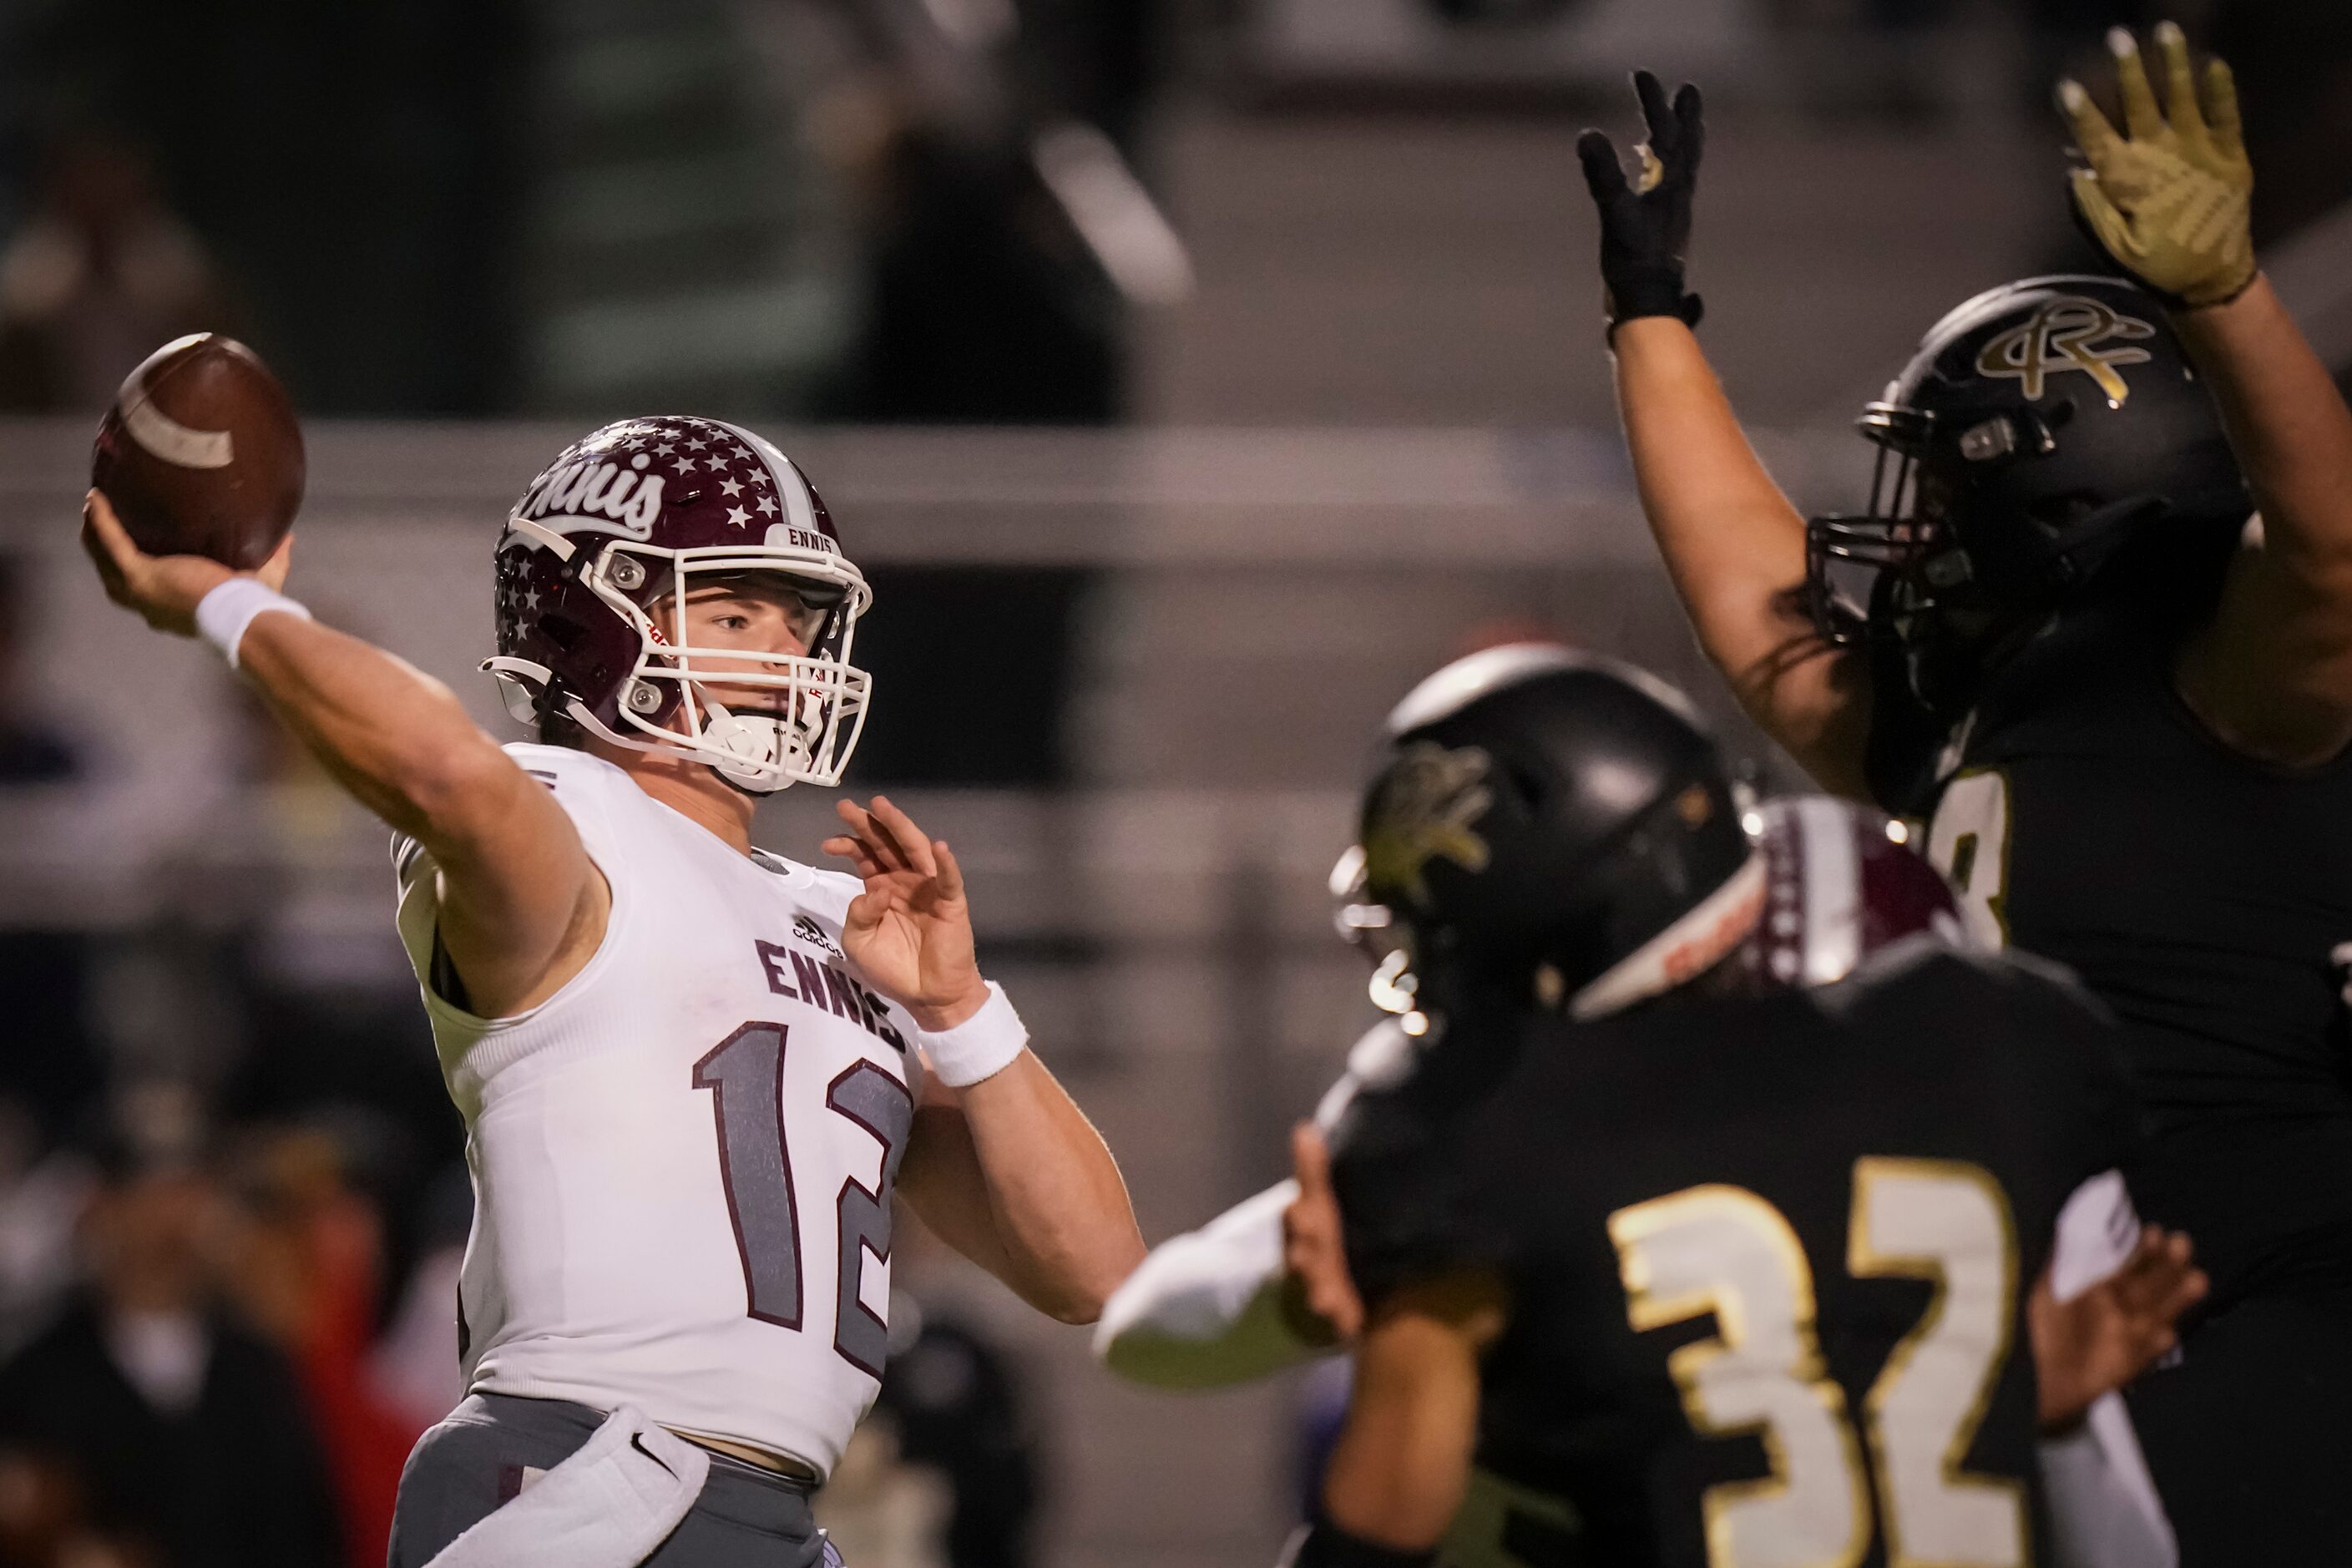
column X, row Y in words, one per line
column 223, row 614
column 982, row 1046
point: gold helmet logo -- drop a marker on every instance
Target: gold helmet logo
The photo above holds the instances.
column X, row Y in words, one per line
column 1425, row 807
column 2069, row 332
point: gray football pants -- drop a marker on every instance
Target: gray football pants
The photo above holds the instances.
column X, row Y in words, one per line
column 474, row 1461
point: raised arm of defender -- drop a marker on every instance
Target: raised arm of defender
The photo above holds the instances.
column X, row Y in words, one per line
column 1735, row 550
column 2169, row 199
column 522, row 906
column 1733, row 543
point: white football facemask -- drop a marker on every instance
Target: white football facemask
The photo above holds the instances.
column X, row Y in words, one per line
column 802, row 733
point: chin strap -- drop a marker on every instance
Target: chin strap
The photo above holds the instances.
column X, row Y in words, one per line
column 762, row 740
column 2085, row 546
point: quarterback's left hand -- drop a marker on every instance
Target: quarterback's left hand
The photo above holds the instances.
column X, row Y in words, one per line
column 910, row 929
column 2172, row 200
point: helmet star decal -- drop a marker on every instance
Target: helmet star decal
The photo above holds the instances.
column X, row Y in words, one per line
column 1426, row 806
column 621, row 480
column 623, row 526
column 2065, row 334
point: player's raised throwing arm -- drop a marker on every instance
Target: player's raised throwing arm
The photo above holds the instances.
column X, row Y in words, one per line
column 1001, row 1162
column 2169, row 199
column 1733, row 543
column 522, row 906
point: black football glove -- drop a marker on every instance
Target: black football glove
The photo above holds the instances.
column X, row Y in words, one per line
column 1645, row 223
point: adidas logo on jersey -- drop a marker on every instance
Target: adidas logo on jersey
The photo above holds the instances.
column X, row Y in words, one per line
column 809, row 932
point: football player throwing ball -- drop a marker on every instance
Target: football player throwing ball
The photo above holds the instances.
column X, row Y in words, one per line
column 2096, row 632
column 693, row 1073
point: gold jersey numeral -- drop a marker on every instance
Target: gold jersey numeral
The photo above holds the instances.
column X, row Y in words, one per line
column 1723, row 1250
column 1967, row 841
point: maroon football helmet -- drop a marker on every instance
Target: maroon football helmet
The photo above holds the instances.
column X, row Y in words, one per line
column 1829, row 883
column 1839, row 886
column 594, row 568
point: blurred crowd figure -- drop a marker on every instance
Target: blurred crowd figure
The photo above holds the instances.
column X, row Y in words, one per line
column 938, row 211
column 34, row 749
column 485, row 186
column 100, row 272
column 147, row 1423
column 192, row 1373
column 44, row 968
column 201, row 1365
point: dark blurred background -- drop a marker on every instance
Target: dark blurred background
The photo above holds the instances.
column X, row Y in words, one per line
column 1189, row 375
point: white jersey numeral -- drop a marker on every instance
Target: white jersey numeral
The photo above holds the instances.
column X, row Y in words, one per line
column 1948, row 1223
column 1723, row 1250
column 1969, row 842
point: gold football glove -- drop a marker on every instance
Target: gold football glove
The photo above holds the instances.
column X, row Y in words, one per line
column 2170, row 201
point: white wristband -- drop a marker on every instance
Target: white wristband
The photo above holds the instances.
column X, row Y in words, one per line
column 223, row 614
column 981, row 1046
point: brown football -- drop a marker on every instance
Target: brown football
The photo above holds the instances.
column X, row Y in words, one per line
column 201, row 454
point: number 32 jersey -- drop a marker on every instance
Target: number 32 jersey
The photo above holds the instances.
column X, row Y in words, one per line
column 1766, row 1259
column 682, row 1161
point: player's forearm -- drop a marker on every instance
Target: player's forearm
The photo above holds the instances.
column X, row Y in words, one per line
column 1731, row 540
column 2287, row 422
column 394, row 737
column 1059, row 1209
column 1735, row 547
column 1401, row 1464
column 2103, row 1510
column 1206, row 1309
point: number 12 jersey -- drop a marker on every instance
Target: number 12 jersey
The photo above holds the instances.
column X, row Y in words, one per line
column 682, row 1161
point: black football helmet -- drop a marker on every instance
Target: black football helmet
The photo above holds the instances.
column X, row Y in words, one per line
column 2040, row 428
column 1539, row 818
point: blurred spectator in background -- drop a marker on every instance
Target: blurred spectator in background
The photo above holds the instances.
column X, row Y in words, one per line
column 43, row 1191
column 183, row 1431
column 944, row 1473
column 351, row 167
column 304, row 1258
column 1005, row 234
column 100, row 272
column 984, row 305
column 955, row 1402
column 33, row 751
column 876, row 1507
column 45, row 1520
column 418, row 1361
column 51, row 1070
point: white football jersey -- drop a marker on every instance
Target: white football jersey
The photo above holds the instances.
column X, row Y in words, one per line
column 682, row 1161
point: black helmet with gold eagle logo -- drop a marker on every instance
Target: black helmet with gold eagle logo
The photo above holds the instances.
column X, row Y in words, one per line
column 1540, row 819
column 2040, row 428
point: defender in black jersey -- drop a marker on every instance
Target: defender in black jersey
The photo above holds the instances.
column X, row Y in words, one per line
column 1707, row 1266
column 2121, row 711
